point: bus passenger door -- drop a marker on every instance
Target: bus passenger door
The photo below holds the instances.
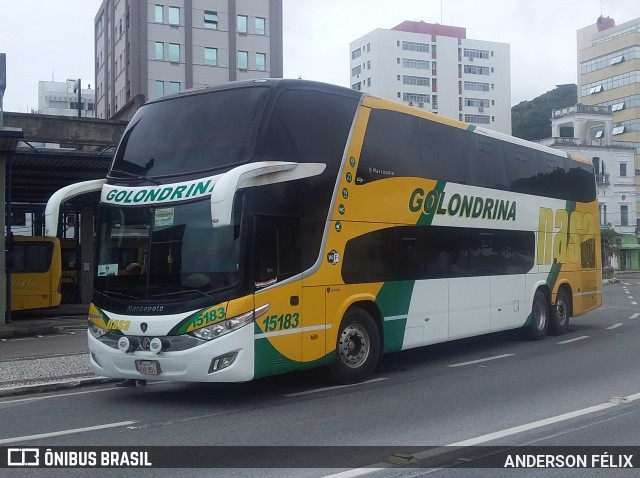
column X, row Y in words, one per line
column 277, row 281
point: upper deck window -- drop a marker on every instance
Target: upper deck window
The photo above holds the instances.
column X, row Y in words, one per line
column 187, row 134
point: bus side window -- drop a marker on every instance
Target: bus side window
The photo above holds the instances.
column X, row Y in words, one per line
column 277, row 249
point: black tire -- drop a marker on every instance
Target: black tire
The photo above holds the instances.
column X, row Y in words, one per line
column 357, row 347
column 539, row 325
column 560, row 314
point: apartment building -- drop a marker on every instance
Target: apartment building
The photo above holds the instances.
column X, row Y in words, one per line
column 436, row 68
column 608, row 70
column 609, row 73
column 146, row 49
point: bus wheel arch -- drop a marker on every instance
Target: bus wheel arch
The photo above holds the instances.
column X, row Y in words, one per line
column 358, row 344
column 540, row 315
column 561, row 311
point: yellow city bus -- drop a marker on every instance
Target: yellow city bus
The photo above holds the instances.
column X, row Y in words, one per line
column 261, row 227
column 36, row 269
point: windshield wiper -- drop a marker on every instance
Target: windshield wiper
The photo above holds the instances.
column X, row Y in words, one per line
column 132, row 176
column 120, row 295
column 182, row 292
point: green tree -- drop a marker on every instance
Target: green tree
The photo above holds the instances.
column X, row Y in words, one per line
column 610, row 244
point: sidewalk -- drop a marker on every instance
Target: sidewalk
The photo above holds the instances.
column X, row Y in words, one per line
column 60, row 367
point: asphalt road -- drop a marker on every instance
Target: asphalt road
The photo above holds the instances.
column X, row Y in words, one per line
column 491, row 390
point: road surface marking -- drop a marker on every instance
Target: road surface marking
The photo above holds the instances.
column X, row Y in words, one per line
column 614, row 326
column 573, row 340
column 634, row 303
column 635, row 315
column 434, row 452
column 481, row 360
column 65, row 432
column 317, row 390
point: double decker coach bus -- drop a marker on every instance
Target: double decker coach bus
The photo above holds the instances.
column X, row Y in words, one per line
column 262, row 227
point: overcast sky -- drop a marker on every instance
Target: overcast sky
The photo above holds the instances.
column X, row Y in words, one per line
column 46, row 39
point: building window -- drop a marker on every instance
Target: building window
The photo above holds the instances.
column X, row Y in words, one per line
column 623, row 170
column 174, row 15
column 159, row 50
column 211, row 20
column 243, row 60
column 174, row 52
column 356, row 71
column 159, row 88
column 158, row 13
column 261, row 61
column 416, row 80
column 242, row 24
column 356, row 53
column 617, row 130
column 260, row 26
column 412, row 46
column 174, row 87
column 211, row 56
column 417, row 64
column 624, row 215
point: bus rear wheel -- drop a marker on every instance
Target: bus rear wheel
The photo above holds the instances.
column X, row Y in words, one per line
column 357, row 347
column 539, row 325
column 560, row 314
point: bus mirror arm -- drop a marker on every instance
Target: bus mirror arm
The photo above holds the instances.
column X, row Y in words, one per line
column 52, row 211
column 253, row 175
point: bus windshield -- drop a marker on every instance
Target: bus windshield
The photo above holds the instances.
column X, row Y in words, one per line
column 201, row 132
column 170, row 252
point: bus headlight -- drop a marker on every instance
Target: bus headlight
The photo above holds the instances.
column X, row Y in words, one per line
column 96, row 330
column 221, row 328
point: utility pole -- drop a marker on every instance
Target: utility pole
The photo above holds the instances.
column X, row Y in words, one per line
column 77, row 86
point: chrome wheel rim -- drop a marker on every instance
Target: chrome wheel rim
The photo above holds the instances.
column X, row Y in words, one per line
column 540, row 316
column 354, row 345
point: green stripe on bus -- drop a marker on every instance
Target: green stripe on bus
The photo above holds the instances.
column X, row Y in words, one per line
column 426, row 219
column 269, row 361
column 393, row 300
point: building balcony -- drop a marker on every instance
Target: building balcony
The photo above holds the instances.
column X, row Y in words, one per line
column 602, row 179
column 580, row 108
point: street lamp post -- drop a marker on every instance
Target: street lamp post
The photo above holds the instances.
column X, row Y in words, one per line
column 77, row 86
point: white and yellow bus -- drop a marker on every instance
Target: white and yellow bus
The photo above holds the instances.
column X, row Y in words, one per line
column 262, row 227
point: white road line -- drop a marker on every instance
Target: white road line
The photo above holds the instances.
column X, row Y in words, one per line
column 634, row 303
column 635, row 315
column 481, row 360
column 573, row 340
column 614, row 326
column 317, row 390
column 433, row 452
column 65, row 432
column 629, row 297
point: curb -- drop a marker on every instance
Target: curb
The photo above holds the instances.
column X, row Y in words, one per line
column 53, row 386
column 16, row 331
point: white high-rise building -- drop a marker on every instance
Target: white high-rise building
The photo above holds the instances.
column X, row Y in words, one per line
column 150, row 48
column 58, row 98
column 436, row 68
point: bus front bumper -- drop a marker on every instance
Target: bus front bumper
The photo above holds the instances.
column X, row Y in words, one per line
column 198, row 364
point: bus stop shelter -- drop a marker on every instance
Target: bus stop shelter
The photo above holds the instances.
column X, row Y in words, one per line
column 39, row 154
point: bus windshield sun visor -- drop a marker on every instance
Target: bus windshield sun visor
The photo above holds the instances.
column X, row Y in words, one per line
column 252, row 175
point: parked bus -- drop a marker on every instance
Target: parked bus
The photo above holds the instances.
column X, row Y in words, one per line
column 261, row 227
column 36, row 269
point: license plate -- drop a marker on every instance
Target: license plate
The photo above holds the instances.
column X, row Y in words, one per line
column 148, row 367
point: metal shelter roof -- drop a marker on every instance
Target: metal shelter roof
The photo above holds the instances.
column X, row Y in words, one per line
column 84, row 149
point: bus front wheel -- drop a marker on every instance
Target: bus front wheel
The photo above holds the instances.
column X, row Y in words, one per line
column 560, row 314
column 357, row 347
column 539, row 316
